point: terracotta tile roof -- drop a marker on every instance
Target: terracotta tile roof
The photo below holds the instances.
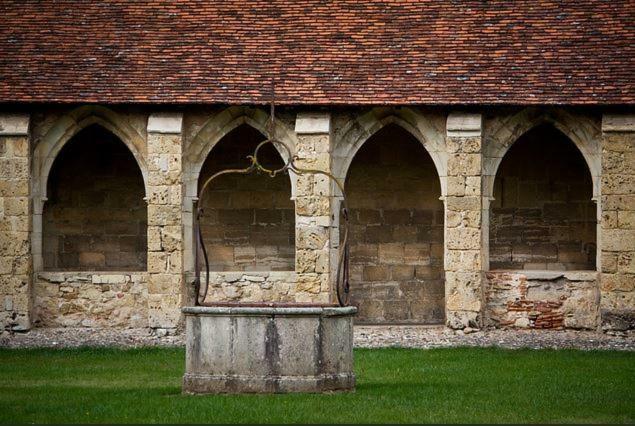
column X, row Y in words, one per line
column 320, row 52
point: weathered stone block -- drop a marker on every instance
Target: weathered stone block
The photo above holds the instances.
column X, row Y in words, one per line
column 615, row 202
column 618, row 240
column 312, row 238
column 313, row 123
column 618, row 282
column 165, row 122
column 463, row 238
column 376, row 273
column 463, row 291
column 310, row 283
column 14, row 124
column 403, row 272
column 464, row 164
column 391, row 253
column 463, row 260
column 463, row 204
column 463, row 126
column 312, row 206
column 618, row 184
column 625, row 219
column 162, row 215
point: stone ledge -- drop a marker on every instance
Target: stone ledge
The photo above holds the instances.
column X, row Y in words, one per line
column 14, row 124
column 313, row 123
column 537, row 274
column 94, row 277
column 165, row 122
column 618, row 123
column 252, row 276
column 310, row 310
column 463, row 124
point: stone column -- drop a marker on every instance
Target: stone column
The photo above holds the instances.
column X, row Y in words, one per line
column 15, row 223
column 465, row 245
column 316, row 237
column 165, row 220
column 617, row 223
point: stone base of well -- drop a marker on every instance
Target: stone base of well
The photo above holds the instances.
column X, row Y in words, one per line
column 265, row 349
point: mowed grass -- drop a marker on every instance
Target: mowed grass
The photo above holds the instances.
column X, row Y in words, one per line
column 394, row 385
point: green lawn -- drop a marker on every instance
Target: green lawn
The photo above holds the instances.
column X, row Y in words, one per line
column 394, row 385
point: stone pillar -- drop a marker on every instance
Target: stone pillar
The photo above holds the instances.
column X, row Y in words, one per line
column 617, row 223
column 316, row 236
column 165, row 220
column 15, row 223
column 465, row 242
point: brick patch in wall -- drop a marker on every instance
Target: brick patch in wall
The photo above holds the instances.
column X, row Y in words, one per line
column 542, row 299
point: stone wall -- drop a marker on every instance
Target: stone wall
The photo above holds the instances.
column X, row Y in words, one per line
column 165, row 221
column 396, row 231
column 250, row 287
column 95, row 217
column 542, row 299
column 249, row 220
column 315, row 206
column 465, row 153
column 465, row 221
column 543, row 215
column 15, row 223
column 617, row 238
column 91, row 299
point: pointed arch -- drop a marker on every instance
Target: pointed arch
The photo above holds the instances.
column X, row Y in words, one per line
column 56, row 137
column 250, row 220
column 200, row 145
column 543, row 215
column 582, row 130
column 95, row 216
column 426, row 129
column 396, row 230
column 217, row 127
column 72, row 123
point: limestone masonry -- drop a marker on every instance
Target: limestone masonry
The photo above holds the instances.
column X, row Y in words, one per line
column 482, row 217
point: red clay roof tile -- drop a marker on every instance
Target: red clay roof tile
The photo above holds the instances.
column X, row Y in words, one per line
column 318, row 52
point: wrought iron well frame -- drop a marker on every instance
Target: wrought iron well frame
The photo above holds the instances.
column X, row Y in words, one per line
column 342, row 285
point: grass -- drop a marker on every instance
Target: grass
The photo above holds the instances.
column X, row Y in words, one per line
column 394, row 386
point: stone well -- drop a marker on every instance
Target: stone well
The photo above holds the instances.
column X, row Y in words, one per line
column 268, row 349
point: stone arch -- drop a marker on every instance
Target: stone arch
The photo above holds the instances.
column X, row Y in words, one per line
column 577, row 132
column 217, row 127
column 396, row 230
column 72, row 123
column 205, row 139
column 358, row 130
column 583, row 131
column 57, row 136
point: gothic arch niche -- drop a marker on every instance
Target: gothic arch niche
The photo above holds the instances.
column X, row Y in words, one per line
column 543, row 215
column 95, row 216
column 249, row 220
column 396, row 218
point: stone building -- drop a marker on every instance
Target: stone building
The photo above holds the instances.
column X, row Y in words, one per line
column 487, row 150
